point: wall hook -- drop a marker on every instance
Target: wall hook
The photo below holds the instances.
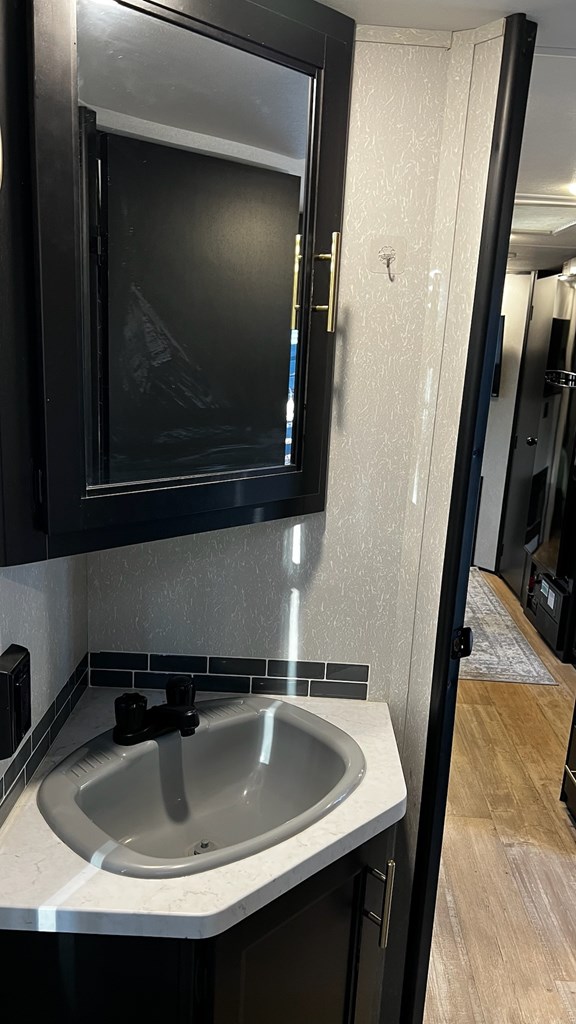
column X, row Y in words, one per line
column 387, row 256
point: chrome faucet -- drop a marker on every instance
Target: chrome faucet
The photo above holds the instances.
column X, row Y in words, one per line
column 136, row 722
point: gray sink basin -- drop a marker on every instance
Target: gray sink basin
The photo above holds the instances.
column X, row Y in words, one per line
column 256, row 772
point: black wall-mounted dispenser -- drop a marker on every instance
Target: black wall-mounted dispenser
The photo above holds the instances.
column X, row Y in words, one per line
column 15, row 705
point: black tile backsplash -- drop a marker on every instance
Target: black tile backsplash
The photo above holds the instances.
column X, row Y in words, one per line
column 59, row 720
column 118, row 659
column 178, row 663
column 65, row 692
column 223, row 684
column 153, row 680
column 39, row 753
column 350, row 673
column 43, row 725
column 218, row 674
column 327, row 688
column 238, row 666
column 15, row 767
column 34, row 748
column 274, row 684
column 110, row 677
column 296, row 669
column 78, row 691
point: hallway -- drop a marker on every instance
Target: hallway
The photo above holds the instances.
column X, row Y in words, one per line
column 504, row 949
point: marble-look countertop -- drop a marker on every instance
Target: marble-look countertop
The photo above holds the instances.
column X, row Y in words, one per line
column 45, row 886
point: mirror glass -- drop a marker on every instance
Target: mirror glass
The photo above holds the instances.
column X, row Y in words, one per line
column 193, row 168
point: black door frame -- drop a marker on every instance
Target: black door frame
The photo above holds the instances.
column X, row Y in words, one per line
column 518, row 51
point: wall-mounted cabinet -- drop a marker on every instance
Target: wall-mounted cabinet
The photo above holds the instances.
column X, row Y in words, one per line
column 183, row 176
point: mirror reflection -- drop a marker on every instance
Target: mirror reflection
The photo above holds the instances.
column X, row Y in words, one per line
column 194, row 158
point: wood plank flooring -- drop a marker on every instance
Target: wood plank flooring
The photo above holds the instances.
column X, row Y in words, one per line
column 504, row 948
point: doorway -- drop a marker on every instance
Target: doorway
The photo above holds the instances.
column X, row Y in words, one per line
column 505, row 934
column 452, row 639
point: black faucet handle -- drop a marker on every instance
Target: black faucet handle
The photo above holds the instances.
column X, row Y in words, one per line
column 130, row 711
column 180, row 692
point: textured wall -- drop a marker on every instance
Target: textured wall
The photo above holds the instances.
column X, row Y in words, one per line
column 43, row 607
column 339, row 585
column 475, row 58
column 501, row 418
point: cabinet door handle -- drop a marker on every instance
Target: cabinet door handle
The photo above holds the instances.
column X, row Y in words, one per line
column 1, row 160
column 383, row 922
column 296, row 284
column 334, row 257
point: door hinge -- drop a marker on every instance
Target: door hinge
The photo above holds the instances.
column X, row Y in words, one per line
column 462, row 643
column 531, row 312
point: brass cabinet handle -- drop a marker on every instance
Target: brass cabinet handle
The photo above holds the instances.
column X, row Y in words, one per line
column 334, row 257
column 296, row 285
column 383, row 922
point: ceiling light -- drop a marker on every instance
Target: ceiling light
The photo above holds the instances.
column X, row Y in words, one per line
column 572, row 188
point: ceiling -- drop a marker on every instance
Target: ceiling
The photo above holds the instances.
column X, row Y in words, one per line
column 547, row 166
column 548, row 162
column 542, row 238
column 556, row 18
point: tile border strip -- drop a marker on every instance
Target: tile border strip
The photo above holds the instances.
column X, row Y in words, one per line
column 38, row 740
column 221, row 674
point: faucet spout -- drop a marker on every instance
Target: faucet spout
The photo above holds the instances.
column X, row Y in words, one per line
column 175, row 719
column 136, row 722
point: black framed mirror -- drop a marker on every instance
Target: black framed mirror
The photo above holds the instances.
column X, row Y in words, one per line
column 189, row 163
column 194, row 159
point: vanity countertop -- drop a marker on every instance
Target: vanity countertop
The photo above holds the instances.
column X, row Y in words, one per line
column 45, row 886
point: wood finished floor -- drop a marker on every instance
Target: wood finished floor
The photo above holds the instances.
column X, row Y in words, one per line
column 504, row 948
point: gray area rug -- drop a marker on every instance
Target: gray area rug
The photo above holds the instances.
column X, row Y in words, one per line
column 501, row 653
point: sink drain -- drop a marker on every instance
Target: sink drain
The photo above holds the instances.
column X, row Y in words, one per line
column 204, row 846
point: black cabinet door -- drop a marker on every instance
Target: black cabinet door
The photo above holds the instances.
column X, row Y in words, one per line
column 315, row 953
column 296, row 959
column 20, row 537
column 147, row 441
column 87, row 979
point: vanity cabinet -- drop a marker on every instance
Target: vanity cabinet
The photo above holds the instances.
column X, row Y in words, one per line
column 312, row 955
column 172, row 248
